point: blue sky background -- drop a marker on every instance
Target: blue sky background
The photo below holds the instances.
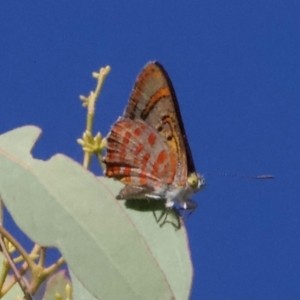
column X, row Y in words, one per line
column 235, row 66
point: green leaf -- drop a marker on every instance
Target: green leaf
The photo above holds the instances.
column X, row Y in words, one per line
column 114, row 251
column 79, row 291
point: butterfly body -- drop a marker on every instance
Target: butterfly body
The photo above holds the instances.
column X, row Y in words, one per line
column 147, row 148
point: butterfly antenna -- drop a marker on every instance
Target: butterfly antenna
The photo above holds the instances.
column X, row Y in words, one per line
column 257, row 177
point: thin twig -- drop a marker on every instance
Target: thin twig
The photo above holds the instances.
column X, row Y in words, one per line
column 20, row 279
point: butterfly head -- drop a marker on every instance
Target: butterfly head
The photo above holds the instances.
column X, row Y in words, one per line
column 195, row 182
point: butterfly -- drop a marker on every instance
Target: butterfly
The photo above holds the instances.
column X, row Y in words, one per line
column 147, row 148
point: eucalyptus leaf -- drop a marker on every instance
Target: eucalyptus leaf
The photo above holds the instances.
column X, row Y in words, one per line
column 79, row 291
column 114, row 251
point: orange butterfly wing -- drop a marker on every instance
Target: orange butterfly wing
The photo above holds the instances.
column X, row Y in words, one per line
column 148, row 148
column 154, row 100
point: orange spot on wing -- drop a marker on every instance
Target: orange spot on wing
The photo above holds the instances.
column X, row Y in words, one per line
column 143, row 177
column 161, row 157
column 165, row 171
column 126, row 180
column 126, row 171
column 145, row 159
column 151, row 139
column 173, row 168
column 110, row 156
column 125, row 142
column 138, row 149
column 113, row 171
column 126, row 138
column 116, row 170
column 135, row 161
column 143, row 180
column 137, row 132
column 161, row 93
column 159, row 161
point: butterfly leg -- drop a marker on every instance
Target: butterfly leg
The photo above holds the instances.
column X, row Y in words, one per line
column 165, row 212
column 188, row 207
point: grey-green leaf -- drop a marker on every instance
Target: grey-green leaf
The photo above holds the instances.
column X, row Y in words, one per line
column 79, row 291
column 115, row 252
